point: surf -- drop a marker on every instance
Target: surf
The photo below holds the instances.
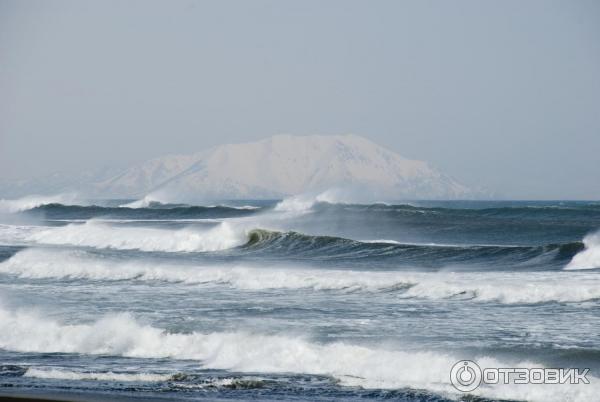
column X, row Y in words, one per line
column 589, row 257
column 102, row 235
column 496, row 287
column 35, row 201
column 351, row 364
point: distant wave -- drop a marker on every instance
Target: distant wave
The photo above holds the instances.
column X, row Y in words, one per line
column 572, row 210
column 60, row 211
column 332, row 199
column 145, row 202
column 34, row 201
column 160, row 201
column 351, row 364
column 304, row 202
column 61, row 208
column 503, row 287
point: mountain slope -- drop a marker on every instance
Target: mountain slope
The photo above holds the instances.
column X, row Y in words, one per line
column 284, row 165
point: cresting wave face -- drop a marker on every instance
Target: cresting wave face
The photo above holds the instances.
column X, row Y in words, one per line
column 506, row 288
column 351, row 364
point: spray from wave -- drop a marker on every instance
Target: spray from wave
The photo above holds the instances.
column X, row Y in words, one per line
column 101, row 235
column 34, row 201
column 147, row 201
column 304, row 202
column 161, row 198
column 590, row 257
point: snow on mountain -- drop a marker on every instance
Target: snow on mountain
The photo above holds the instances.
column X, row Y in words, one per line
column 284, row 165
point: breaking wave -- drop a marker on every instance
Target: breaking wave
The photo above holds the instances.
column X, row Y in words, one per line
column 100, row 235
column 501, row 287
column 304, row 202
column 296, row 244
column 146, row 202
column 323, row 204
column 351, row 364
column 590, row 256
column 239, row 239
column 34, row 201
column 331, row 201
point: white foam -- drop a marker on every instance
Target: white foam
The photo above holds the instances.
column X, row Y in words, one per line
column 501, row 287
column 100, row 235
column 41, row 263
column 156, row 198
column 242, row 207
column 385, row 241
column 33, row 201
column 17, row 234
column 590, row 257
column 352, row 364
column 304, row 202
column 226, row 382
column 509, row 288
column 295, row 204
column 145, row 202
column 62, row 374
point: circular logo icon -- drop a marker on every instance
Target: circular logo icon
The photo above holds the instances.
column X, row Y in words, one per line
column 465, row 375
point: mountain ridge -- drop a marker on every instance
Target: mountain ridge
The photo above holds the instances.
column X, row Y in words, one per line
column 284, row 165
column 275, row 167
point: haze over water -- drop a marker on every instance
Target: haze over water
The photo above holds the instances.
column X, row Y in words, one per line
column 227, row 200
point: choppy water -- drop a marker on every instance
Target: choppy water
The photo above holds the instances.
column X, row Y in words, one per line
column 296, row 300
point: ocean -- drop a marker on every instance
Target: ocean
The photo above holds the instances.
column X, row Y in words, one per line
column 297, row 299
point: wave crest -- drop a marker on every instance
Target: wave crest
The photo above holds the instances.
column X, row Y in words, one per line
column 589, row 257
column 99, row 235
column 34, row 201
column 333, row 248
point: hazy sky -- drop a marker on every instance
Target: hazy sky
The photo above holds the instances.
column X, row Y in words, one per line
column 501, row 94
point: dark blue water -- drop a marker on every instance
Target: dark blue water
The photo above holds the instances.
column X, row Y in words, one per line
column 270, row 301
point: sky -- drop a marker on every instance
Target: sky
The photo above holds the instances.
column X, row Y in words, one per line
column 503, row 95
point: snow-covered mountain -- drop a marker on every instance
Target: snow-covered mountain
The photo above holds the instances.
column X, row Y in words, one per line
column 285, row 165
column 352, row 167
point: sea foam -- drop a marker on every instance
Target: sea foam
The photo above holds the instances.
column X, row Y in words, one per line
column 590, row 256
column 501, row 287
column 62, row 374
column 352, row 364
column 100, row 235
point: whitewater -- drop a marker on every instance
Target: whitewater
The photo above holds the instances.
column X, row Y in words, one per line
column 309, row 298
